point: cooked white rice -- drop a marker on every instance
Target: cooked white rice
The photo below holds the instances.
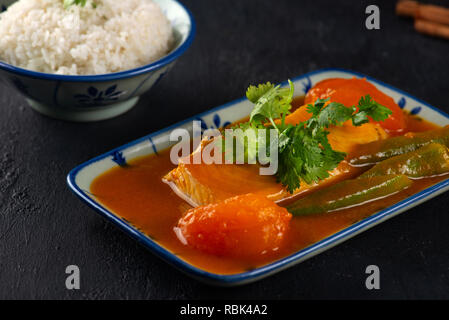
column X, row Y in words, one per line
column 109, row 36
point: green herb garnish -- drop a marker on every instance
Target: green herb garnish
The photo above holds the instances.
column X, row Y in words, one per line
column 82, row 3
column 304, row 150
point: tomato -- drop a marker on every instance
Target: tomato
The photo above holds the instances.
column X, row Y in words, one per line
column 243, row 227
column 349, row 92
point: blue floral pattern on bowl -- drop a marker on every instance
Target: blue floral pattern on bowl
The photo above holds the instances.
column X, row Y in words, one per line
column 306, row 85
column 96, row 97
column 402, row 103
column 117, row 157
column 415, row 111
column 216, row 123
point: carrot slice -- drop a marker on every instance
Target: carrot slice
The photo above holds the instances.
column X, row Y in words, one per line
column 243, row 226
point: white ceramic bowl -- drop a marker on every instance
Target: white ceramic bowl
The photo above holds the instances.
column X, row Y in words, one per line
column 99, row 97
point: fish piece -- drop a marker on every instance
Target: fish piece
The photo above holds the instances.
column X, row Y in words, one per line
column 347, row 138
column 201, row 184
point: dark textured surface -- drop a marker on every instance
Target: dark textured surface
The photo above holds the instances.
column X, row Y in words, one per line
column 44, row 227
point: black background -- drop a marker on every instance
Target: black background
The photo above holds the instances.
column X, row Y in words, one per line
column 44, row 227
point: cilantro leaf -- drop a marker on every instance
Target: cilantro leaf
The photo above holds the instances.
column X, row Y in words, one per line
column 254, row 93
column 370, row 108
column 274, row 103
column 316, row 108
column 334, row 114
column 82, row 3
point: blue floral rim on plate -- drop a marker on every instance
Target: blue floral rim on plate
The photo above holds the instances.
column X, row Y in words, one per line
column 172, row 56
column 118, row 156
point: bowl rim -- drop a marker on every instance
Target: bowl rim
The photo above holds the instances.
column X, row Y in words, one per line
column 172, row 56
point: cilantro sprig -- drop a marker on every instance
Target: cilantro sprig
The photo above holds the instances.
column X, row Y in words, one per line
column 305, row 153
column 271, row 102
column 82, row 3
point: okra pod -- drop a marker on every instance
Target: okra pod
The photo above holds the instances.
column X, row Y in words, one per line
column 427, row 161
column 378, row 151
column 349, row 193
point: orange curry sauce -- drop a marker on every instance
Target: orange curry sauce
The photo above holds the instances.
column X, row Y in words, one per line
column 137, row 194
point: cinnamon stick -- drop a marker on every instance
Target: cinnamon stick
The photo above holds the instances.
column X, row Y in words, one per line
column 427, row 12
column 432, row 28
column 407, row 8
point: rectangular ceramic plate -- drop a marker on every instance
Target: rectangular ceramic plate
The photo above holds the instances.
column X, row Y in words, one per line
column 80, row 178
